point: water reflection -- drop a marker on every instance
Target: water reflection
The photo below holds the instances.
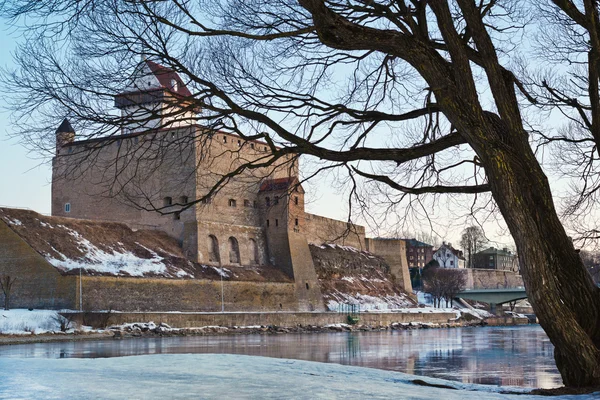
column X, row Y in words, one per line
column 519, row 356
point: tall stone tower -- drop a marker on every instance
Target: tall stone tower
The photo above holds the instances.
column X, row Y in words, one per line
column 283, row 201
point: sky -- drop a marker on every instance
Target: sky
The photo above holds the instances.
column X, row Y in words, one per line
column 25, row 178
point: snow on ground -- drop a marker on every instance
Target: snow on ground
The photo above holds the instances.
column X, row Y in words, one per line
column 367, row 303
column 117, row 262
column 25, row 322
column 425, row 300
column 212, row 376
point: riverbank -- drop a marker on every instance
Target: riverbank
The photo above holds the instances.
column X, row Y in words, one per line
column 50, row 326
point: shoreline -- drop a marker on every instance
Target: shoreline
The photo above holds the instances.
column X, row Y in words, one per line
column 149, row 330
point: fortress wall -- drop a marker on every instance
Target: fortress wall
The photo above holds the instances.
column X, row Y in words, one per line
column 492, row 279
column 282, row 319
column 38, row 284
column 393, row 251
column 319, row 230
column 135, row 294
column 223, row 232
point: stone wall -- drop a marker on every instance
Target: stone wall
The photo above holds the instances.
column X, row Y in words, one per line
column 283, row 319
column 492, row 279
column 393, row 251
column 38, row 284
column 319, row 230
column 135, row 294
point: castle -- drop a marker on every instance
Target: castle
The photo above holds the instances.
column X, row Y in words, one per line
column 151, row 174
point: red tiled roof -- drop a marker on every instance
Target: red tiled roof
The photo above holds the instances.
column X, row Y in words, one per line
column 165, row 76
column 277, row 184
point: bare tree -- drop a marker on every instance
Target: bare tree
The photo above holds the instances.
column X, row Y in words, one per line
column 472, row 240
column 455, row 282
column 431, row 104
column 6, row 282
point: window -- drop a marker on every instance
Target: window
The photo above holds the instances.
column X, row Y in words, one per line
column 213, row 249
column 412, row 257
column 268, row 201
column 252, row 146
column 136, row 140
column 276, row 222
column 174, row 84
column 67, row 207
column 296, row 200
column 167, row 201
column 296, row 222
column 224, row 139
column 265, row 148
column 451, row 262
column 234, row 251
column 239, row 143
column 491, row 257
column 267, row 223
column 183, row 200
column 177, row 216
column 232, row 203
column 247, row 203
column 253, row 252
column 307, row 287
column 276, row 199
column 208, row 200
column 410, row 250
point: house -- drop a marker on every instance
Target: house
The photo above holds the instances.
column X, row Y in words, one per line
column 493, row 258
column 418, row 253
column 449, row 257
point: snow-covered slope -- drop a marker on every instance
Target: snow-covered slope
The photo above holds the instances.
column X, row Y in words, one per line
column 108, row 248
column 351, row 276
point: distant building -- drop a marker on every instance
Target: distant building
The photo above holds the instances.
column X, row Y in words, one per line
column 418, row 254
column 449, row 257
column 493, row 258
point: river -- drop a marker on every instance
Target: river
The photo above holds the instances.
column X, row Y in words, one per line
column 517, row 356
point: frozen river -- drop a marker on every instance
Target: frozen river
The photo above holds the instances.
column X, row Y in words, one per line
column 514, row 356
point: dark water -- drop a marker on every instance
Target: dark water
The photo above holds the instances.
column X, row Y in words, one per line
column 518, row 356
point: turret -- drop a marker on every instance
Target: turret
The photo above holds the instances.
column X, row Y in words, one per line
column 65, row 134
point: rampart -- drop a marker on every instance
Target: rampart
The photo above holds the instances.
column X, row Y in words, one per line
column 135, row 294
column 492, row 279
column 283, row 319
column 319, row 230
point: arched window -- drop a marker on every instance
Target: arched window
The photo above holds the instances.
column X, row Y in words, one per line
column 234, row 251
column 253, row 252
column 213, row 249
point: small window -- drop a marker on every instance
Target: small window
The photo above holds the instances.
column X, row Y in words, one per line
column 136, row 140
column 296, row 200
column 268, row 201
column 247, row 203
column 183, row 200
column 410, row 250
column 276, row 199
column 276, row 222
column 268, row 223
column 491, row 257
column 307, row 287
column 224, row 139
column 252, row 146
column 296, row 222
column 70, row 150
column 239, row 143
column 67, row 207
column 232, row 203
column 265, row 148
column 177, row 216
column 451, row 262
column 167, row 201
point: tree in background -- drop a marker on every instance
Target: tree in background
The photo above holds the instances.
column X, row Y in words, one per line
column 431, row 99
column 443, row 284
column 472, row 240
column 6, row 282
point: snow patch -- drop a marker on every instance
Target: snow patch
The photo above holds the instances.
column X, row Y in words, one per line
column 25, row 322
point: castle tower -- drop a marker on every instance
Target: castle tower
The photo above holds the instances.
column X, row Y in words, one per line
column 157, row 98
column 65, row 134
column 283, row 220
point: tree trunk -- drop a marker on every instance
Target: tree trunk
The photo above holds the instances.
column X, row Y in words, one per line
column 562, row 293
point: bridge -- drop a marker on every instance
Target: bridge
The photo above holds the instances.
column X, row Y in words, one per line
column 494, row 296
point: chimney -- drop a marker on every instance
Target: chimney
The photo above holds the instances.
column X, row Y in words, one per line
column 65, row 134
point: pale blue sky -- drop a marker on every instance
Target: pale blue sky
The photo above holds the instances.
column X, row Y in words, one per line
column 24, row 180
